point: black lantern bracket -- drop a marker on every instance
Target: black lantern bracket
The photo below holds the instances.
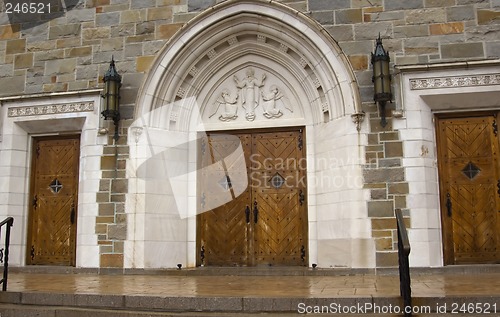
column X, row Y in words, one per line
column 381, row 79
column 111, row 96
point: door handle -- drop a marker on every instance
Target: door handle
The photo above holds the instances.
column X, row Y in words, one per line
column 448, row 204
column 247, row 214
column 72, row 214
column 255, row 212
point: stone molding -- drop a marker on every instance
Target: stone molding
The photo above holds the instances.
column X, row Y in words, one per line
column 243, row 34
column 51, row 109
column 454, row 81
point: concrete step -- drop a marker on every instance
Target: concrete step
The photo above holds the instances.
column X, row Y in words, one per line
column 257, row 271
column 10, row 310
column 43, row 304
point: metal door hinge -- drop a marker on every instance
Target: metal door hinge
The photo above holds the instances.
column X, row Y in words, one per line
column 202, row 255
column 247, row 214
column 203, row 200
column 72, row 214
column 300, row 141
column 448, row 204
column 203, row 146
column 255, row 212
column 35, row 202
column 495, row 127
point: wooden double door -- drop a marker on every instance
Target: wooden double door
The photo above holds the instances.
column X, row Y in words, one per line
column 267, row 223
column 470, row 189
column 53, row 201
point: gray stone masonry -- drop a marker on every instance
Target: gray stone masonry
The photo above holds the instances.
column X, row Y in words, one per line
column 72, row 51
column 83, row 39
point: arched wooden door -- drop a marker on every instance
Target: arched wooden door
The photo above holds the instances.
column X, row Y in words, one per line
column 267, row 223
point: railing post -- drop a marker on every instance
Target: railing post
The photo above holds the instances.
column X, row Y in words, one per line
column 404, row 263
column 9, row 222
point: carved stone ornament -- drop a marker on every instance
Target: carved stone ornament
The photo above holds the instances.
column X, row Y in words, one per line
column 248, row 94
column 51, row 109
column 454, row 81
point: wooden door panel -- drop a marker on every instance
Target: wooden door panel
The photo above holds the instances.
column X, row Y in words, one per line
column 224, row 235
column 473, row 209
column 278, row 186
column 54, row 190
column 278, row 231
column 466, row 139
column 223, row 231
column 274, row 236
column 468, row 165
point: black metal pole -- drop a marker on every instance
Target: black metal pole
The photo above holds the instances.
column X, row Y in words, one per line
column 6, row 263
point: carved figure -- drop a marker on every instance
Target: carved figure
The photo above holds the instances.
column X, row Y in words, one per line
column 249, row 95
column 271, row 100
column 230, row 109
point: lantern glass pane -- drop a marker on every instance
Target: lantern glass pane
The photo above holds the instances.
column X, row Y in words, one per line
column 378, row 85
column 112, row 95
column 385, row 67
column 377, row 69
column 387, row 85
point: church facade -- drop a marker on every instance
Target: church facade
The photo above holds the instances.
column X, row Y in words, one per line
column 248, row 134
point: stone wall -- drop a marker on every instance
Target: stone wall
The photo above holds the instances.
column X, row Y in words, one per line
column 70, row 52
column 111, row 222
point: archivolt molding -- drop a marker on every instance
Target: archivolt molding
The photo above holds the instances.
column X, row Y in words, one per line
column 235, row 36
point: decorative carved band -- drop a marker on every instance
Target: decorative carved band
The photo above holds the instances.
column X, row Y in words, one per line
column 454, row 81
column 51, row 109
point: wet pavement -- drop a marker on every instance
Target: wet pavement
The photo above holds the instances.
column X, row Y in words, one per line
column 423, row 285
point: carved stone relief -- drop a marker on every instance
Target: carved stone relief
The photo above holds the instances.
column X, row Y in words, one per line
column 273, row 102
column 50, row 109
column 229, row 110
column 251, row 92
column 454, row 81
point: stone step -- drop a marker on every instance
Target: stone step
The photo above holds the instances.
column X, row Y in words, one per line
column 257, row 271
column 42, row 304
column 11, row 310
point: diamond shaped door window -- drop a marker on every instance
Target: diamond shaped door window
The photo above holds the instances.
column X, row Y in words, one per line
column 55, row 186
column 277, row 181
column 471, row 170
column 225, row 182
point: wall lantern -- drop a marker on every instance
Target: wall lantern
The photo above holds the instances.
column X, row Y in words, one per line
column 111, row 96
column 381, row 79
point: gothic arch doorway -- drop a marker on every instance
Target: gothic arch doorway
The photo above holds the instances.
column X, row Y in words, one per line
column 239, row 66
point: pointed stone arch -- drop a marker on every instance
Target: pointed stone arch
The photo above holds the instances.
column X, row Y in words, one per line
column 176, row 101
column 249, row 32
